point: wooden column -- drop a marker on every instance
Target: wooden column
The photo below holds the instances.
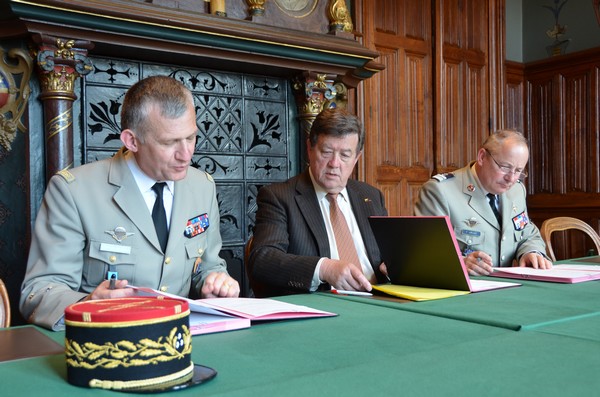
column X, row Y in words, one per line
column 60, row 62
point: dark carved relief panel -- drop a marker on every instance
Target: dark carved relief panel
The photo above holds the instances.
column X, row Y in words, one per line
column 247, row 135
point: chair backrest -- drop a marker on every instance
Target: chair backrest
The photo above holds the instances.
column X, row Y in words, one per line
column 247, row 250
column 564, row 223
column 4, row 306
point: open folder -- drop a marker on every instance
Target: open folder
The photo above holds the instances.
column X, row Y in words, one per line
column 423, row 259
column 224, row 314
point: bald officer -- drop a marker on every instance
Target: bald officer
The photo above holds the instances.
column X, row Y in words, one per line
column 486, row 205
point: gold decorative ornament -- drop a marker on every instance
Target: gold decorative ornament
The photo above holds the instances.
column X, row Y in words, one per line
column 61, row 62
column 339, row 16
column 257, row 7
column 13, row 98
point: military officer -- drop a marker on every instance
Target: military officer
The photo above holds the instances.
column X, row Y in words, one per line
column 486, row 204
column 144, row 216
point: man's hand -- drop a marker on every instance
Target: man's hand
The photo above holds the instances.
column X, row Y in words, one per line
column 344, row 275
column 479, row 263
column 219, row 284
column 103, row 291
column 535, row 260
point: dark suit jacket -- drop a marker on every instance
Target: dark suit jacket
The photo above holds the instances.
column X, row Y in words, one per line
column 290, row 235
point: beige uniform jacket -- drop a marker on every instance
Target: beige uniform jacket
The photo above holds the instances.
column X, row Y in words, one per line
column 459, row 196
column 94, row 219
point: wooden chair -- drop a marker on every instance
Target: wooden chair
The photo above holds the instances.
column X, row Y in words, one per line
column 4, row 306
column 564, row 223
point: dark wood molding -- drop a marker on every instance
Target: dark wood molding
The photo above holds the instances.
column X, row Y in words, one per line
column 143, row 30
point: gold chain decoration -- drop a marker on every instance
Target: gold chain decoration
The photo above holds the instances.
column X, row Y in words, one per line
column 128, row 354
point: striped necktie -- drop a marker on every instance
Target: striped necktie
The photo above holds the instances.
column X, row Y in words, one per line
column 343, row 238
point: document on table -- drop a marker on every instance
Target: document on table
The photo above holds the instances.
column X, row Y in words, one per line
column 563, row 273
column 223, row 314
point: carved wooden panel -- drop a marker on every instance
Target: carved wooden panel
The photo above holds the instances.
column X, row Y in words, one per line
column 562, row 97
column 462, row 91
column 514, row 105
column 247, row 136
column 398, row 119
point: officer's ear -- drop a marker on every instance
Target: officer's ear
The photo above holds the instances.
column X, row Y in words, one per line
column 480, row 156
column 130, row 141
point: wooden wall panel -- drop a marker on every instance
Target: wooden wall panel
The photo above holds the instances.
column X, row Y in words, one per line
column 462, row 82
column 514, row 105
column 562, row 99
column 430, row 109
column 398, row 101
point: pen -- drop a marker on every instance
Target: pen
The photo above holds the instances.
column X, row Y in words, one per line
column 113, row 279
column 345, row 292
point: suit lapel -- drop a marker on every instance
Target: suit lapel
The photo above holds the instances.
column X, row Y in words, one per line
column 129, row 198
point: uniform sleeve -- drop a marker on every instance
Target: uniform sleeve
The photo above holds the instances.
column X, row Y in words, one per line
column 55, row 262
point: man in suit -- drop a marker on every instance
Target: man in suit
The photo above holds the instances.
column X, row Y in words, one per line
column 295, row 248
column 486, row 205
column 95, row 221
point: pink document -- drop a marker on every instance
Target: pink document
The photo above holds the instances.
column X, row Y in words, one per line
column 564, row 273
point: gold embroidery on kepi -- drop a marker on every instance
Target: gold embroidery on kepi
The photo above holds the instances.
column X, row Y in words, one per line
column 140, row 343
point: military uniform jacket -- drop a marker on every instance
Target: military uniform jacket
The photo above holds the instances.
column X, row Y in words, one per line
column 94, row 219
column 460, row 196
column 290, row 236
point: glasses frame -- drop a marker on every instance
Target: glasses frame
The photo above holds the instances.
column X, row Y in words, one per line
column 521, row 175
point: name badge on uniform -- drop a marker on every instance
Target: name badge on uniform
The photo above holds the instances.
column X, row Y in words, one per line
column 520, row 221
column 196, row 226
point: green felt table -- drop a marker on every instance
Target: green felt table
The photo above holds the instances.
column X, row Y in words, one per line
column 531, row 305
column 366, row 349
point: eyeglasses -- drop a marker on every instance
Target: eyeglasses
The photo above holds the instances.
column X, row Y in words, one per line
column 506, row 170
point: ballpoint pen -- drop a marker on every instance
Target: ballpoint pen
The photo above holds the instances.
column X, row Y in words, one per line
column 113, row 280
column 345, row 292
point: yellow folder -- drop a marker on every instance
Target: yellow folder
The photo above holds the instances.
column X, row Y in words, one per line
column 417, row 293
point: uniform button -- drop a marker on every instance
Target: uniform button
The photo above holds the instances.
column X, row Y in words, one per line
column 112, row 259
column 469, row 241
column 503, row 238
column 164, row 288
column 167, row 260
column 503, row 256
column 200, row 251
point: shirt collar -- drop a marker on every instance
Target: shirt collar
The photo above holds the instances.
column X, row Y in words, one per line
column 143, row 181
column 321, row 193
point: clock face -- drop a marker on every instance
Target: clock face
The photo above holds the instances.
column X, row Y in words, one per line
column 296, row 8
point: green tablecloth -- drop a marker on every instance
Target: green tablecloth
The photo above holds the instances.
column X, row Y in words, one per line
column 367, row 349
column 532, row 305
